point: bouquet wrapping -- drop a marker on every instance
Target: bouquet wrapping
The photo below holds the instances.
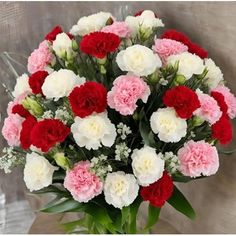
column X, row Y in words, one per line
column 114, row 113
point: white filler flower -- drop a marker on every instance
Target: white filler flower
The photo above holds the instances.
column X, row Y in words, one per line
column 147, row 166
column 120, row 189
column 189, row 64
column 91, row 23
column 167, row 125
column 38, row 172
column 60, row 83
column 214, row 75
column 94, row 130
column 139, row 60
column 22, row 85
column 62, row 46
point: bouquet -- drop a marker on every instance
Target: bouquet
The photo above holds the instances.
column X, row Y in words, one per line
column 115, row 113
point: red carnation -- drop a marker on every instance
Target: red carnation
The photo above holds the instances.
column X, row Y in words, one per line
column 20, row 110
column 221, row 101
column 192, row 47
column 99, row 44
column 222, row 130
column 158, row 192
column 88, row 98
column 36, row 81
column 27, row 126
column 51, row 36
column 70, row 35
column 46, row 133
column 183, row 99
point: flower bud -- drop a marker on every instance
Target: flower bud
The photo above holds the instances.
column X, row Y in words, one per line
column 75, row 46
column 197, row 121
column 61, row 160
column 33, row 106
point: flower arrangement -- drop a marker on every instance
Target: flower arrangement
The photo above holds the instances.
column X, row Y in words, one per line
column 114, row 113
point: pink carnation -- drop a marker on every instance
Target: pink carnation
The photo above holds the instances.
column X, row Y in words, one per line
column 198, row 158
column 126, row 91
column 12, row 128
column 230, row 99
column 16, row 101
column 121, row 29
column 40, row 58
column 82, row 184
column 209, row 110
column 167, row 47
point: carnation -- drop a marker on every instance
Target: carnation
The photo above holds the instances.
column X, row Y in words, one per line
column 11, row 129
column 126, row 91
column 219, row 97
column 183, row 99
column 89, row 24
column 41, row 58
column 51, row 36
column 229, row 98
column 20, row 110
column 159, row 192
column 17, row 100
column 167, row 125
column 120, row 189
column 145, row 21
column 139, row 60
column 88, row 98
column 222, row 130
column 22, row 86
column 99, row 44
column 167, row 47
column 189, row 64
column 147, row 166
column 214, row 75
column 60, row 83
column 198, row 158
column 38, row 172
column 47, row 133
column 36, row 81
column 94, row 130
column 82, row 183
column 121, row 29
column 209, row 109
column 62, row 46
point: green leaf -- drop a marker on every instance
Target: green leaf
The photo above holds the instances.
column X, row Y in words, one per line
column 146, row 133
column 125, row 212
column 153, row 216
column 133, row 215
column 71, row 226
column 181, row 204
column 65, row 206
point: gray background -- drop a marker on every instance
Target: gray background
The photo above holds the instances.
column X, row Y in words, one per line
column 210, row 24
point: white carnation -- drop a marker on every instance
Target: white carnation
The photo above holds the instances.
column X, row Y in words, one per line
column 145, row 21
column 167, row 125
column 62, row 46
column 91, row 23
column 22, row 85
column 38, row 172
column 139, row 60
column 147, row 166
column 120, row 189
column 60, row 83
column 189, row 64
column 94, row 130
column 214, row 75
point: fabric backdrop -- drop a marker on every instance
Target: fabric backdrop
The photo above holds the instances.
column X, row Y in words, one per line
column 210, row 24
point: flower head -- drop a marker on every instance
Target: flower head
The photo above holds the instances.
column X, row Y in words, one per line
column 121, row 29
column 167, row 125
column 139, row 60
column 158, row 192
column 36, row 81
column 120, row 189
column 82, row 183
column 147, row 166
column 198, row 158
column 125, row 93
column 51, row 36
column 22, row 86
column 38, row 172
column 88, row 98
column 94, row 130
column 99, row 44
